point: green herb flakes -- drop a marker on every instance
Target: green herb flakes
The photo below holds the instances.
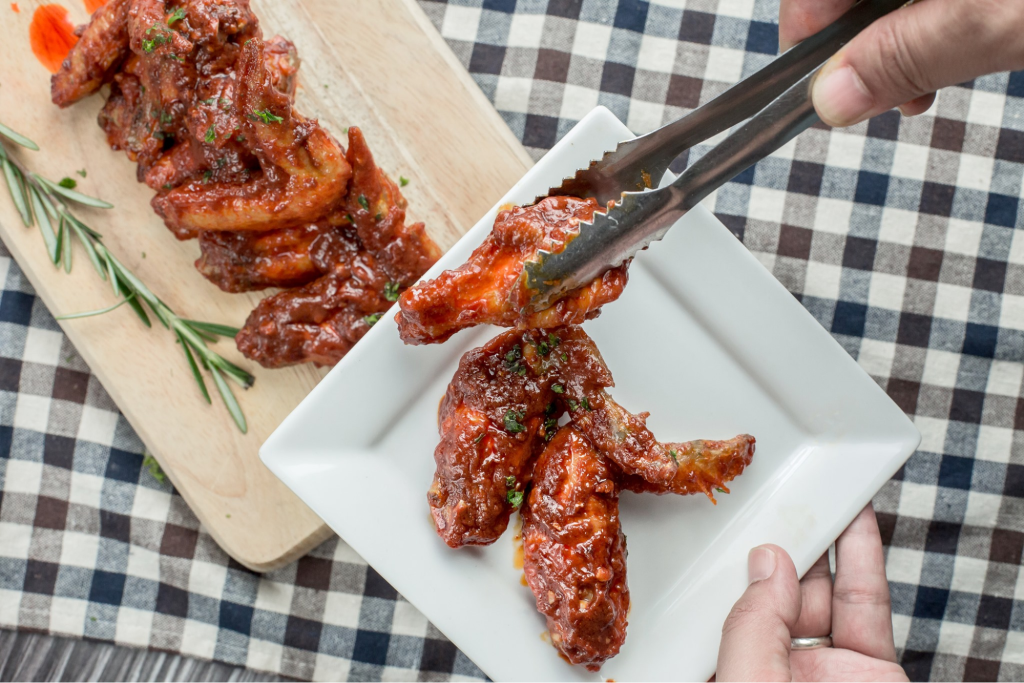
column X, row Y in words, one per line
column 178, row 15
column 721, row 490
column 265, row 116
column 402, row 181
column 515, row 498
column 479, row 438
column 81, row 173
column 363, row 202
column 150, row 463
column 211, row 134
column 558, row 388
column 68, row 183
column 512, row 422
column 371, row 320
column 573, row 405
column 391, row 291
column 510, row 482
column 585, row 403
column 674, row 455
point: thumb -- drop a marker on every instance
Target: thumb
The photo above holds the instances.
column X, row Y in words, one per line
column 916, row 50
column 755, row 636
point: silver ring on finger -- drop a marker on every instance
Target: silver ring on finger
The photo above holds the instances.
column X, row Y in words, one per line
column 810, row 643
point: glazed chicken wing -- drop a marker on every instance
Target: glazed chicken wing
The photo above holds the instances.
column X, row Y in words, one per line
column 102, row 45
column 575, row 551
column 303, row 172
column 368, row 258
column 487, row 289
column 499, row 401
column 512, row 391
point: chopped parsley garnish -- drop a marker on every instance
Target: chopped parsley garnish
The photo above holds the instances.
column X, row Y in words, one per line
column 565, row 357
column 585, row 403
column 479, row 438
column 391, row 291
column 363, row 202
column 513, row 361
column 378, row 217
column 573, row 405
column 150, row 44
column 510, row 482
column 515, row 498
column 240, row 138
column 558, row 388
column 265, row 116
column 81, row 173
column 210, row 101
column 207, row 174
column 512, row 422
column 720, row 489
column 69, row 183
column 150, row 463
column 168, row 186
column 224, row 102
column 673, row 453
column 543, row 348
column 402, row 181
column 550, row 410
column 371, row 320
column 178, row 15
column 211, row 134
column 177, row 58
column 549, row 428
column 553, row 339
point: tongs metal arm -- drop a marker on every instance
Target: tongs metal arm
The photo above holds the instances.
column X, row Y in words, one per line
column 640, row 218
column 649, row 156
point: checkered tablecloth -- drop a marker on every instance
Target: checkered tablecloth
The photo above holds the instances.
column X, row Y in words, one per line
column 902, row 237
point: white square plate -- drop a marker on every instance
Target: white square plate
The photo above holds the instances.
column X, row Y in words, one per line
column 707, row 340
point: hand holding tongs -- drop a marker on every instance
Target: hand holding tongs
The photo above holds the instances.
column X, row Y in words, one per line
column 641, row 217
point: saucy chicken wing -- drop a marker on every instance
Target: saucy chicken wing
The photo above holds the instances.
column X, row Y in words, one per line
column 574, row 550
column 366, row 256
column 303, row 171
column 102, row 45
column 487, row 289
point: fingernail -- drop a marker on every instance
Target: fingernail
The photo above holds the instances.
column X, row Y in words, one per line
column 841, row 97
column 760, row 564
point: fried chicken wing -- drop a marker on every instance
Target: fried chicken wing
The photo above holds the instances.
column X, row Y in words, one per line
column 575, row 551
column 487, row 289
column 303, row 169
column 101, row 47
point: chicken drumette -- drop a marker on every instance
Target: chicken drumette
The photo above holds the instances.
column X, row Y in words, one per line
column 574, row 550
column 488, row 289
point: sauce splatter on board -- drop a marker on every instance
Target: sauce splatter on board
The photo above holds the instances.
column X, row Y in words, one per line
column 93, row 5
column 15, row 8
column 51, row 35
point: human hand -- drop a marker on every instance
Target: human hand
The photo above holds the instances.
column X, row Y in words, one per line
column 777, row 607
column 903, row 58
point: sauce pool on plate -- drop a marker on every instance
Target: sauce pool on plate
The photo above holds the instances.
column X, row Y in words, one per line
column 51, row 35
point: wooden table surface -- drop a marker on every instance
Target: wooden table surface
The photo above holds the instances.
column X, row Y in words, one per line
column 34, row 657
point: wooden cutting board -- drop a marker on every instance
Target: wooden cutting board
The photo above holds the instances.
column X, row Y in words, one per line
column 378, row 64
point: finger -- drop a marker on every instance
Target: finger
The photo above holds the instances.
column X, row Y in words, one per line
column 917, row 50
column 756, row 634
column 918, row 105
column 830, row 664
column 816, row 601
column 799, row 19
column 861, row 610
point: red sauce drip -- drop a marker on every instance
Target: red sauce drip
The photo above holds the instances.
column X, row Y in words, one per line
column 15, row 8
column 93, row 5
column 52, row 36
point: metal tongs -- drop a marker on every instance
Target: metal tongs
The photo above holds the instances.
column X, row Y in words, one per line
column 778, row 98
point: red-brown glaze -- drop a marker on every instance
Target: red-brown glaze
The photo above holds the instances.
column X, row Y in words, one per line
column 487, row 289
column 357, row 259
column 51, row 35
column 575, row 551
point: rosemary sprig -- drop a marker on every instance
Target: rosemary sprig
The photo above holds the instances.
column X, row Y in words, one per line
column 47, row 205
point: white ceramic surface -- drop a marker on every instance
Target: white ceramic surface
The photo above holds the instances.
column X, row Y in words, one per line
column 704, row 338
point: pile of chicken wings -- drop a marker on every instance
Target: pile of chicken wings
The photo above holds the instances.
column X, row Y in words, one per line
column 205, row 107
column 527, row 424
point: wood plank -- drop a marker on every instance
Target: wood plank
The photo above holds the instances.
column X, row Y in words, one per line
column 375, row 63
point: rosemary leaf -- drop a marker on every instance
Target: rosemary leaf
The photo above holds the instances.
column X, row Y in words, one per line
column 213, row 328
column 73, row 195
column 59, row 251
column 101, row 311
column 243, row 378
column 195, row 368
column 66, row 231
column 87, row 243
column 17, row 137
column 206, row 336
column 43, row 219
column 111, row 272
column 229, row 399
column 82, row 226
column 16, row 187
column 135, row 304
